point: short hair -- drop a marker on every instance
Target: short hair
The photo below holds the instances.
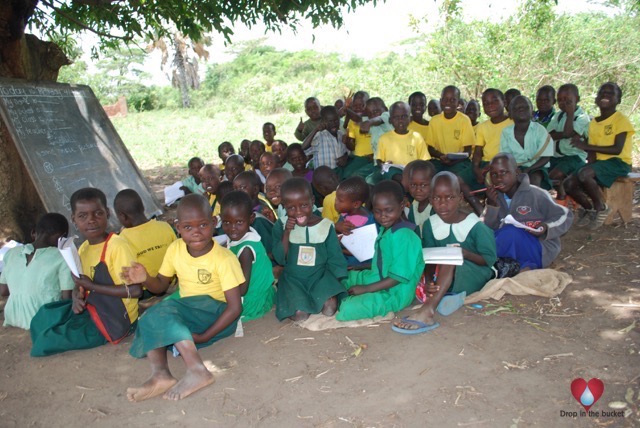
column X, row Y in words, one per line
column 212, row 169
column 508, row 157
column 513, row 92
column 323, row 173
column 389, row 187
column 294, row 146
column 417, row 94
column 280, row 142
column 225, row 144
column 472, row 101
column 194, row 159
column 311, row 100
column 453, row 180
column 234, row 157
column 455, row 89
column 547, row 88
column 569, row 87
column 251, row 176
column 237, row 198
column 224, row 188
column 129, row 202
column 377, row 100
column 295, row 184
column 398, row 104
column 326, row 110
column 421, row 165
column 257, row 143
column 616, row 88
column 518, row 98
column 497, row 92
column 52, row 223
column 361, row 94
column 197, row 201
column 281, row 171
column 271, row 125
column 356, row 187
column 266, row 154
column 87, row 194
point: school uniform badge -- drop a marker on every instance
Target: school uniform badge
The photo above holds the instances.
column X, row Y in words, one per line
column 204, row 276
column 306, row 256
column 608, row 130
column 523, row 210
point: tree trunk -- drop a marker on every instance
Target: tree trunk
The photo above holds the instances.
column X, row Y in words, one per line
column 181, row 74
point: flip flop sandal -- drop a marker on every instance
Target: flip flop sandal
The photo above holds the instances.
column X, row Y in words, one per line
column 451, row 303
column 422, row 327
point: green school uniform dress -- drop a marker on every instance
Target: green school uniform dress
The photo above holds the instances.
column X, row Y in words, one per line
column 534, row 139
column 313, row 268
column 190, row 183
column 264, row 228
column 568, row 158
column 416, row 217
column 398, row 255
column 472, row 235
column 260, row 295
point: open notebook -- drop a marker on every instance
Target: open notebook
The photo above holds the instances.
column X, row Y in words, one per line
column 443, row 256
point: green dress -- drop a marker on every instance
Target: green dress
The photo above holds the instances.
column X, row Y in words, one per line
column 264, row 228
column 398, row 255
column 472, row 235
column 260, row 295
column 313, row 268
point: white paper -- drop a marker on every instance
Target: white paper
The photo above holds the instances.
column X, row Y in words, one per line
column 7, row 246
column 510, row 220
column 458, row 155
column 387, row 166
column 173, row 193
column 70, row 255
column 361, row 242
column 443, row 256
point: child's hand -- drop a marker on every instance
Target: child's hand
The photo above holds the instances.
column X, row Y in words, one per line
column 357, row 290
column 345, row 227
column 83, row 282
column 365, row 127
column 135, row 274
column 342, row 160
column 290, row 224
column 492, row 196
column 432, row 289
column 541, row 233
column 78, row 305
column 300, row 125
column 578, row 142
column 198, row 338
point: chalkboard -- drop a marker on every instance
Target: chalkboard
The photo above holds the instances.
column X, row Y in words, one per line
column 67, row 142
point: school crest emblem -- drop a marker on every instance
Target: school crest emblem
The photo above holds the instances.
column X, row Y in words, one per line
column 523, row 210
column 456, row 134
column 608, row 130
column 204, row 276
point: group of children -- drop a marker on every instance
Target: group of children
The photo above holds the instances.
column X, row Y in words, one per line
column 265, row 226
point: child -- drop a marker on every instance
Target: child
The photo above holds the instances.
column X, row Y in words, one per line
column 35, row 274
column 210, row 176
column 509, row 95
column 462, row 105
column 418, row 104
column 308, row 248
column 529, row 142
column 225, row 150
column 256, row 149
column 325, row 142
column 244, row 152
column 545, row 100
column 351, row 195
column 298, row 160
column 248, row 182
column 312, row 109
column 510, row 193
column 450, row 226
column 257, row 291
column 272, row 189
column 325, row 182
column 267, row 164
column 358, row 138
column 268, row 133
column 419, row 185
column 472, row 110
column 433, row 108
column 377, row 125
column 279, row 149
column 570, row 122
column 234, row 165
column 207, row 310
column 611, row 139
column 148, row 239
column 390, row 284
column 191, row 184
column 55, row 329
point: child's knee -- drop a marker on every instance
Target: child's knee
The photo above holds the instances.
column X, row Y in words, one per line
column 585, row 173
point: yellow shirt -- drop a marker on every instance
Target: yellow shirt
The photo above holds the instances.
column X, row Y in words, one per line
column 488, row 137
column 329, row 207
column 402, row 149
column 604, row 134
column 267, row 148
column 211, row 274
column 149, row 243
column 117, row 256
column 451, row 135
column 363, row 141
column 215, row 205
column 420, row 129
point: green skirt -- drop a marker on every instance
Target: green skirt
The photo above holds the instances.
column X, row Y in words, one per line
column 470, row 277
column 360, row 166
column 567, row 164
column 173, row 320
column 457, row 168
column 609, row 170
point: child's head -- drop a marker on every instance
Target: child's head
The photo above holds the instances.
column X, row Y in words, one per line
column 268, row 132
column 224, row 188
column 244, row 150
column 195, row 224
column 359, row 101
column 433, row 108
column 339, row 105
column 545, row 98
column 233, row 166
column 462, row 105
column 49, row 228
column 400, row 116
column 418, row 104
column 609, row 96
column 521, row 109
column 387, row 200
column 312, row 108
column 375, row 107
column 503, row 172
column 509, row 95
column 568, row 93
column 449, row 101
column 279, row 149
column 351, row 194
column 296, row 157
column 473, row 111
column 325, row 180
column 248, row 182
column 419, row 180
column 297, row 199
column 274, row 183
column 446, row 196
column 225, row 150
column 256, row 149
column 236, row 215
column 493, row 103
column 89, row 213
column 268, row 162
column 128, row 207
column 195, row 165
column 330, row 118
column 210, row 177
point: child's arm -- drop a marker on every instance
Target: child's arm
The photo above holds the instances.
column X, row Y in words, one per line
column 353, row 116
column 539, row 164
column 383, row 284
column 133, row 290
column 473, row 257
column 615, row 149
column 366, row 125
column 137, row 274
column 246, row 259
column 298, row 132
column 288, row 227
column 307, row 141
column 4, row 290
column 229, row 315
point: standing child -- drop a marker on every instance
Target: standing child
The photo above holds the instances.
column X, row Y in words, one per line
column 377, row 125
column 257, row 291
column 611, row 139
column 433, row 108
column 509, row 95
column 279, row 149
column 298, row 160
column 191, row 184
column 225, row 150
column 419, row 186
column 325, row 142
column 312, row 109
column 472, row 110
column 545, row 100
column 325, row 182
column 248, row 182
column 207, row 310
column 308, row 248
column 351, row 195
column 451, row 226
column 269, row 134
column 210, row 176
column 418, row 104
column 35, row 274
column 256, row 149
column 244, row 152
column 358, row 138
column 397, row 262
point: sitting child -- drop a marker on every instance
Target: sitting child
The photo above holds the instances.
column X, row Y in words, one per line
column 390, row 284
column 377, row 125
column 208, row 308
column 225, row 150
column 509, row 95
column 308, row 248
column 267, row 164
column 298, row 160
column 351, row 194
column 511, row 194
column 611, row 139
column 472, row 110
column 55, row 328
column 325, row 182
column 191, row 184
column 272, row 189
column 244, row 152
column 256, row 149
column 233, row 166
column 529, row 142
column 419, row 186
column 433, row 108
column 450, row 226
column 35, row 274
column 358, row 138
column 326, row 144
column 248, row 182
column 545, row 100
column 418, row 104
column 210, row 176
column 257, row 291
column 279, row 149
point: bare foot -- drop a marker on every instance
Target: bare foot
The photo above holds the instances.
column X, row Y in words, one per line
column 156, row 385
column 194, row 380
column 299, row 316
column 425, row 314
column 330, row 306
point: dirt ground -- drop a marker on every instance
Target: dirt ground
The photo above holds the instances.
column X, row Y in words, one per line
column 509, row 364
